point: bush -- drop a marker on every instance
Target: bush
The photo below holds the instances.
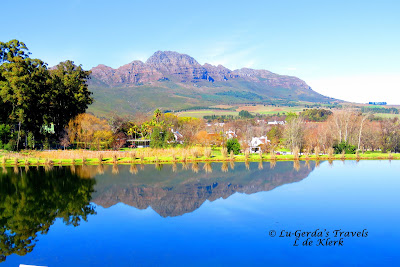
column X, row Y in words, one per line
column 346, row 147
column 157, row 138
column 10, row 145
column 233, row 145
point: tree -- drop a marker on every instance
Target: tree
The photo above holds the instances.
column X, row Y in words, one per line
column 157, row 114
column 64, row 141
column 233, row 145
column 245, row 114
column 363, row 119
column 390, row 135
column 315, row 114
column 291, row 116
column 294, row 133
column 25, row 89
column 203, row 138
column 343, row 123
column 31, row 96
column 87, row 130
column 119, row 141
column 157, row 138
column 189, row 127
column 70, row 95
column 275, row 134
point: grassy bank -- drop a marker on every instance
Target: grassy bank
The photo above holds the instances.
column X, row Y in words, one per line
column 149, row 156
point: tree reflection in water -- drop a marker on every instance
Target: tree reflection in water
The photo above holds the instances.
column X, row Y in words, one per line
column 31, row 201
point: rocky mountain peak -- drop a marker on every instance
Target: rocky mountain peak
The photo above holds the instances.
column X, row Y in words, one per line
column 176, row 66
column 169, row 69
column 171, row 58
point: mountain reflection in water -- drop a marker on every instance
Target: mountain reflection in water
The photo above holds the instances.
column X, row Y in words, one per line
column 31, row 199
column 172, row 193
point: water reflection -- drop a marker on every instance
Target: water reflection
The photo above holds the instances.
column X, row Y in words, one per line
column 172, row 192
column 32, row 198
column 30, row 201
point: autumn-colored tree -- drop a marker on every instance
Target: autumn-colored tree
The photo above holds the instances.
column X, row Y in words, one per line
column 203, row 138
column 390, row 135
column 189, row 127
column 294, row 133
column 86, row 130
column 372, row 136
column 275, row 134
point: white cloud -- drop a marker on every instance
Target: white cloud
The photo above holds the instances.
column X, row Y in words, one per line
column 360, row 88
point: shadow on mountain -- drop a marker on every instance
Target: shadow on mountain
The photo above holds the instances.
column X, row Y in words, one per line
column 173, row 192
column 31, row 201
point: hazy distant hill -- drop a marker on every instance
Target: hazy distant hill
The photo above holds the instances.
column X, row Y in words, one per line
column 173, row 81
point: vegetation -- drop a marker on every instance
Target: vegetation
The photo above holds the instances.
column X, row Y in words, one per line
column 344, row 146
column 316, row 115
column 36, row 101
column 379, row 110
column 233, row 145
column 245, row 114
column 45, row 109
column 242, row 94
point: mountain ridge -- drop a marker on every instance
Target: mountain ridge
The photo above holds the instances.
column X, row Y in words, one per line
column 162, row 63
column 182, row 82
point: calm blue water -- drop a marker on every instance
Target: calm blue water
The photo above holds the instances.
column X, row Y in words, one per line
column 196, row 216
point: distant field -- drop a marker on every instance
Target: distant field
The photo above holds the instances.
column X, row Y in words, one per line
column 206, row 112
column 269, row 110
column 386, row 115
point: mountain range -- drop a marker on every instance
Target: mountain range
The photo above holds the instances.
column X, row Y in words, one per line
column 173, row 81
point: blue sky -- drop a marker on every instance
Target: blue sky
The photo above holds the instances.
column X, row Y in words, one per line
column 343, row 49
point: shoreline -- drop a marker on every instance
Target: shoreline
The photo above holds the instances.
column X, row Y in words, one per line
column 13, row 161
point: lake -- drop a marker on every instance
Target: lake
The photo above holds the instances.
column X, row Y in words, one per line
column 257, row 214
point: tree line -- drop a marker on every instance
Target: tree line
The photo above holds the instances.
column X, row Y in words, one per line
column 36, row 103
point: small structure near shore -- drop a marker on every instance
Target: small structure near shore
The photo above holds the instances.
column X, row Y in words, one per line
column 139, row 143
column 256, row 143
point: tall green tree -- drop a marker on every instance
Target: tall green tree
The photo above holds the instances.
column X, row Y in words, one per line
column 25, row 86
column 70, row 95
column 32, row 96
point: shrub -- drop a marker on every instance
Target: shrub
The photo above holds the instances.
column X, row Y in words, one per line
column 346, row 147
column 233, row 145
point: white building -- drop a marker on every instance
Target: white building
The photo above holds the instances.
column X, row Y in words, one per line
column 230, row 134
column 256, row 142
column 276, row 122
column 178, row 137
